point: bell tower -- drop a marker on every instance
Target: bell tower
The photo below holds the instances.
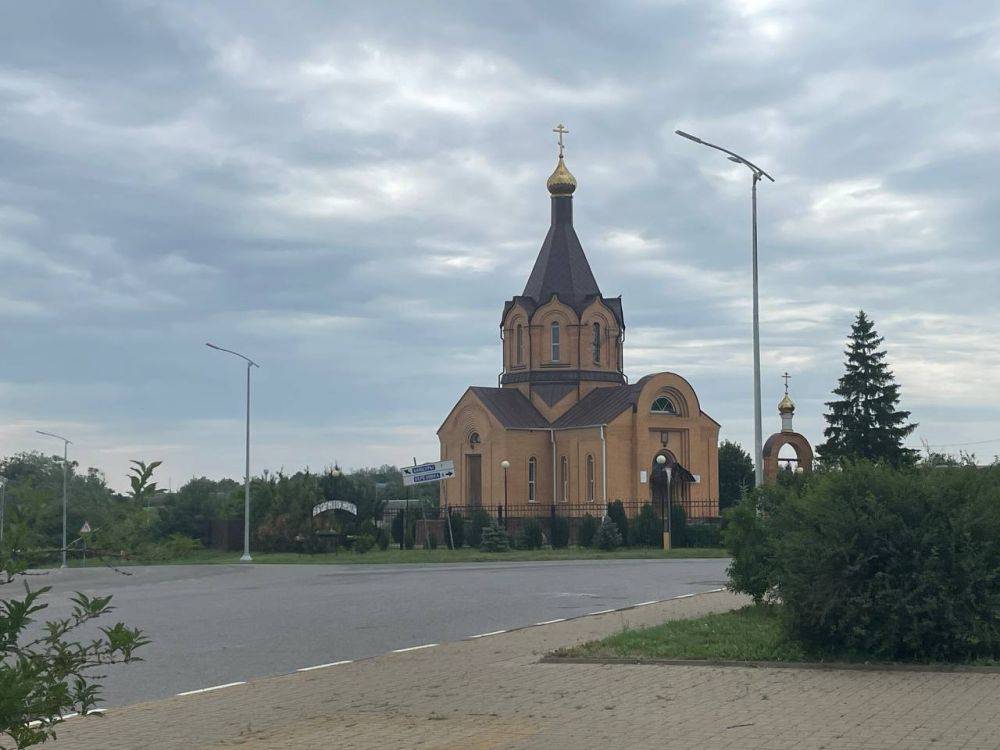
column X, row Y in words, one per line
column 562, row 338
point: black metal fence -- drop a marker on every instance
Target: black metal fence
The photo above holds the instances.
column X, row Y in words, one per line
column 696, row 523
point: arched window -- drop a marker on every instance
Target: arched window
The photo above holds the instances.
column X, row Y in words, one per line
column 520, row 344
column 532, row 479
column 663, row 405
column 555, row 341
column 591, row 480
column 597, row 343
column 564, row 478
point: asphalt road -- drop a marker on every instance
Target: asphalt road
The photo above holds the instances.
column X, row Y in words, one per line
column 216, row 624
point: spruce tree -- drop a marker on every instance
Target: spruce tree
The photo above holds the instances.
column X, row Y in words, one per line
column 865, row 423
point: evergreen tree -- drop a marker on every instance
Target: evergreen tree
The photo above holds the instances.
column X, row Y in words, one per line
column 735, row 473
column 864, row 422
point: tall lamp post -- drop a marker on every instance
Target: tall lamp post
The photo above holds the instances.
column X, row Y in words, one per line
column 3, row 506
column 505, row 464
column 246, row 488
column 757, row 174
column 666, row 509
column 66, row 443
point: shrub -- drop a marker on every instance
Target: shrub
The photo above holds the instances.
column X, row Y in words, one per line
column 531, row 535
column 364, row 543
column 479, row 520
column 702, row 534
column 588, row 530
column 432, row 541
column 878, row 562
column 678, row 526
column 647, row 529
column 408, row 538
column 382, row 539
column 616, row 512
column 559, row 532
column 494, row 539
column 608, row 537
column 749, row 538
column 457, row 537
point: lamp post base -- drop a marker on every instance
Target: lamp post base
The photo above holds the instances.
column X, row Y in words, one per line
column 246, row 557
column 666, row 541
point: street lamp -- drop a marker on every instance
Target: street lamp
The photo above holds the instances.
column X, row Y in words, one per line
column 757, row 174
column 246, row 490
column 505, row 464
column 666, row 510
column 3, row 506
column 66, row 443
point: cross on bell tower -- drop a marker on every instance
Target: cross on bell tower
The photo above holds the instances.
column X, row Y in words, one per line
column 787, row 377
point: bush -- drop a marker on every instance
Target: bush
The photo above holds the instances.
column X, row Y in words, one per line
column 432, row 541
column 479, row 520
column 881, row 563
column 364, row 543
column 559, row 532
column 616, row 512
column 457, row 537
column 647, row 529
column 382, row 539
column 678, row 526
column 494, row 539
column 702, row 534
column 531, row 535
column 588, row 530
column 408, row 538
column 608, row 537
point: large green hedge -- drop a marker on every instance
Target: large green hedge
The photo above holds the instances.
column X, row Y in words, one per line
column 883, row 563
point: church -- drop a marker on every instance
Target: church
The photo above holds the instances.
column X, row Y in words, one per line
column 565, row 427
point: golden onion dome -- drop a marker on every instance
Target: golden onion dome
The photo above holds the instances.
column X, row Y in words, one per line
column 786, row 405
column 562, row 181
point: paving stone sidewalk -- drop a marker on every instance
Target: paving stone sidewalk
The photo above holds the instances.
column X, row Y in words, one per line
column 492, row 692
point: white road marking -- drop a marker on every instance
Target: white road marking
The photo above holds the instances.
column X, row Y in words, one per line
column 413, row 648
column 714, row 591
column 324, row 666
column 210, row 689
column 602, row 611
column 643, row 604
column 485, row 635
column 38, row 723
column 551, row 622
column 683, row 596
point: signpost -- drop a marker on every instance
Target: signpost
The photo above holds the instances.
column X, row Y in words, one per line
column 432, row 472
column 84, row 530
column 435, row 471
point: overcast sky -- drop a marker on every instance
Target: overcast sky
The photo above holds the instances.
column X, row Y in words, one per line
column 349, row 192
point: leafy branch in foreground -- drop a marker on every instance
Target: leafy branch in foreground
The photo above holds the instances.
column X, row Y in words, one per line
column 46, row 675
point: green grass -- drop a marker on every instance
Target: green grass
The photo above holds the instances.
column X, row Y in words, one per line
column 440, row 555
column 753, row 633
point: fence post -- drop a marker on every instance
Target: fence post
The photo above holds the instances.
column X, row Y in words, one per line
column 499, row 515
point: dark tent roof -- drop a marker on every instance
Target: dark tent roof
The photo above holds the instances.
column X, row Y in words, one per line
column 599, row 406
column 510, row 407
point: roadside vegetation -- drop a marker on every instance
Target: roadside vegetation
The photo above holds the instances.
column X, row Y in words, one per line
column 874, row 557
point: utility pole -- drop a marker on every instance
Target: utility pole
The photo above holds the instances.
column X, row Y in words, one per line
column 246, row 484
column 757, row 427
column 66, row 443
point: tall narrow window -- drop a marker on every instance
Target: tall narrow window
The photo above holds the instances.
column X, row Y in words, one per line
column 564, row 478
column 597, row 343
column 591, row 480
column 555, row 342
column 532, row 479
column 520, row 344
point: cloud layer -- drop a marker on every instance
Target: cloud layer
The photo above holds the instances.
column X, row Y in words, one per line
column 349, row 194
